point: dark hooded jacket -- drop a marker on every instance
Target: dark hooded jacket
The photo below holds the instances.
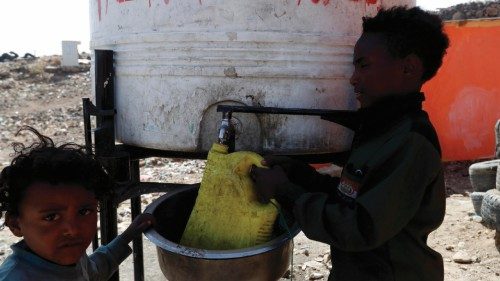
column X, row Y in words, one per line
column 377, row 216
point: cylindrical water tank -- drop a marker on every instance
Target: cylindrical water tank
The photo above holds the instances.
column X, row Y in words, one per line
column 176, row 60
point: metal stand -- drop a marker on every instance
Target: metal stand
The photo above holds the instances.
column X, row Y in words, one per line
column 121, row 161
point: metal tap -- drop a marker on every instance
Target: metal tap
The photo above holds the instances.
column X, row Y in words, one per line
column 227, row 131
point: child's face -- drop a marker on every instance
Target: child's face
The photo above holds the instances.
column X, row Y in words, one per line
column 58, row 222
column 377, row 73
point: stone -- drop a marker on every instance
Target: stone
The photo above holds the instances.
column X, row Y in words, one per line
column 125, row 213
column 316, row 276
column 477, row 219
column 462, row 257
column 312, row 264
column 4, row 74
column 52, row 69
column 326, row 258
column 458, row 16
column 491, row 12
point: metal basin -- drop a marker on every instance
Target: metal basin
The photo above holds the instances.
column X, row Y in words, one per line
column 264, row 262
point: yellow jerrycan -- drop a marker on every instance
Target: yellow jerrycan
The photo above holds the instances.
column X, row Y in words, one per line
column 226, row 214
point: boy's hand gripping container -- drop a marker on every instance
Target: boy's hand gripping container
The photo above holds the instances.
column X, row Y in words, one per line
column 226, row 214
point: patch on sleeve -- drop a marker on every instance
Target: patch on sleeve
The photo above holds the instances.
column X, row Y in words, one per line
column 348, row 187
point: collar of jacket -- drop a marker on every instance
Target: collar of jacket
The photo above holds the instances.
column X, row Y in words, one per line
column 384, row 114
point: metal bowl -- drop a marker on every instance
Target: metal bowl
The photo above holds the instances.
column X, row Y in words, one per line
column 267, row 261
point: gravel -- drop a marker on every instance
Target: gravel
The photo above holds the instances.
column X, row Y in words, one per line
column 42, row 94
column 471, row 10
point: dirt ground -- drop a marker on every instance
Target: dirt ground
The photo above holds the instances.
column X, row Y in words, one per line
column 50, row 100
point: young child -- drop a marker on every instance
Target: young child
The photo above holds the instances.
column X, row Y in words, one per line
column 50, row 196
column 390, row 195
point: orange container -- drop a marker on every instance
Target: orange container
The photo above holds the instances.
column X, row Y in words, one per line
column 463, row 99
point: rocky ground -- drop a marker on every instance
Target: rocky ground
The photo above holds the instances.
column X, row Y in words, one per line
column 39, row 93
column 472, row 10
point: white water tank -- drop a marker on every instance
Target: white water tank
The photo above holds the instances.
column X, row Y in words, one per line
column 176, row 60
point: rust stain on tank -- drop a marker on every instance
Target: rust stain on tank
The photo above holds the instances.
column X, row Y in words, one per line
column 231, row 72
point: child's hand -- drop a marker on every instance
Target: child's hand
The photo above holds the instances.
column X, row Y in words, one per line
column 290, row 166
column 139, row 225
column 274, row 160
column 267, row 181
column 294, row 169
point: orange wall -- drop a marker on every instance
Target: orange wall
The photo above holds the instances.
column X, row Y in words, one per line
column 463, row 99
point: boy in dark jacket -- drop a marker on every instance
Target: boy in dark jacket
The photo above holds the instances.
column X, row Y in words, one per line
column 391, row 195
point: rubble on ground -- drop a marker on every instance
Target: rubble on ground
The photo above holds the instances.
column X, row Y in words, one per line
column 37, row 92
column 471, row 10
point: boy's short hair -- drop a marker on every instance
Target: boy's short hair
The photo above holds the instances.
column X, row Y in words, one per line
column 411, row 31
column 43, row 161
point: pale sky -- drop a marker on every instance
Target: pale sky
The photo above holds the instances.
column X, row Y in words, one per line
column 39, row 26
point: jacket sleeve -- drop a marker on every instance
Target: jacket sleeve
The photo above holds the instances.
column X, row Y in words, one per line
column 106, row 259
column 308, row 179
column 378, row 214
column 305, row 180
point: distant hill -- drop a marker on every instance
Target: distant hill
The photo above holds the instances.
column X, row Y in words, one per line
column 471, row 10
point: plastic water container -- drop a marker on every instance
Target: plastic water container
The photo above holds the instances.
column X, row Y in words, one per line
column 176, row 60
column 227, row 214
